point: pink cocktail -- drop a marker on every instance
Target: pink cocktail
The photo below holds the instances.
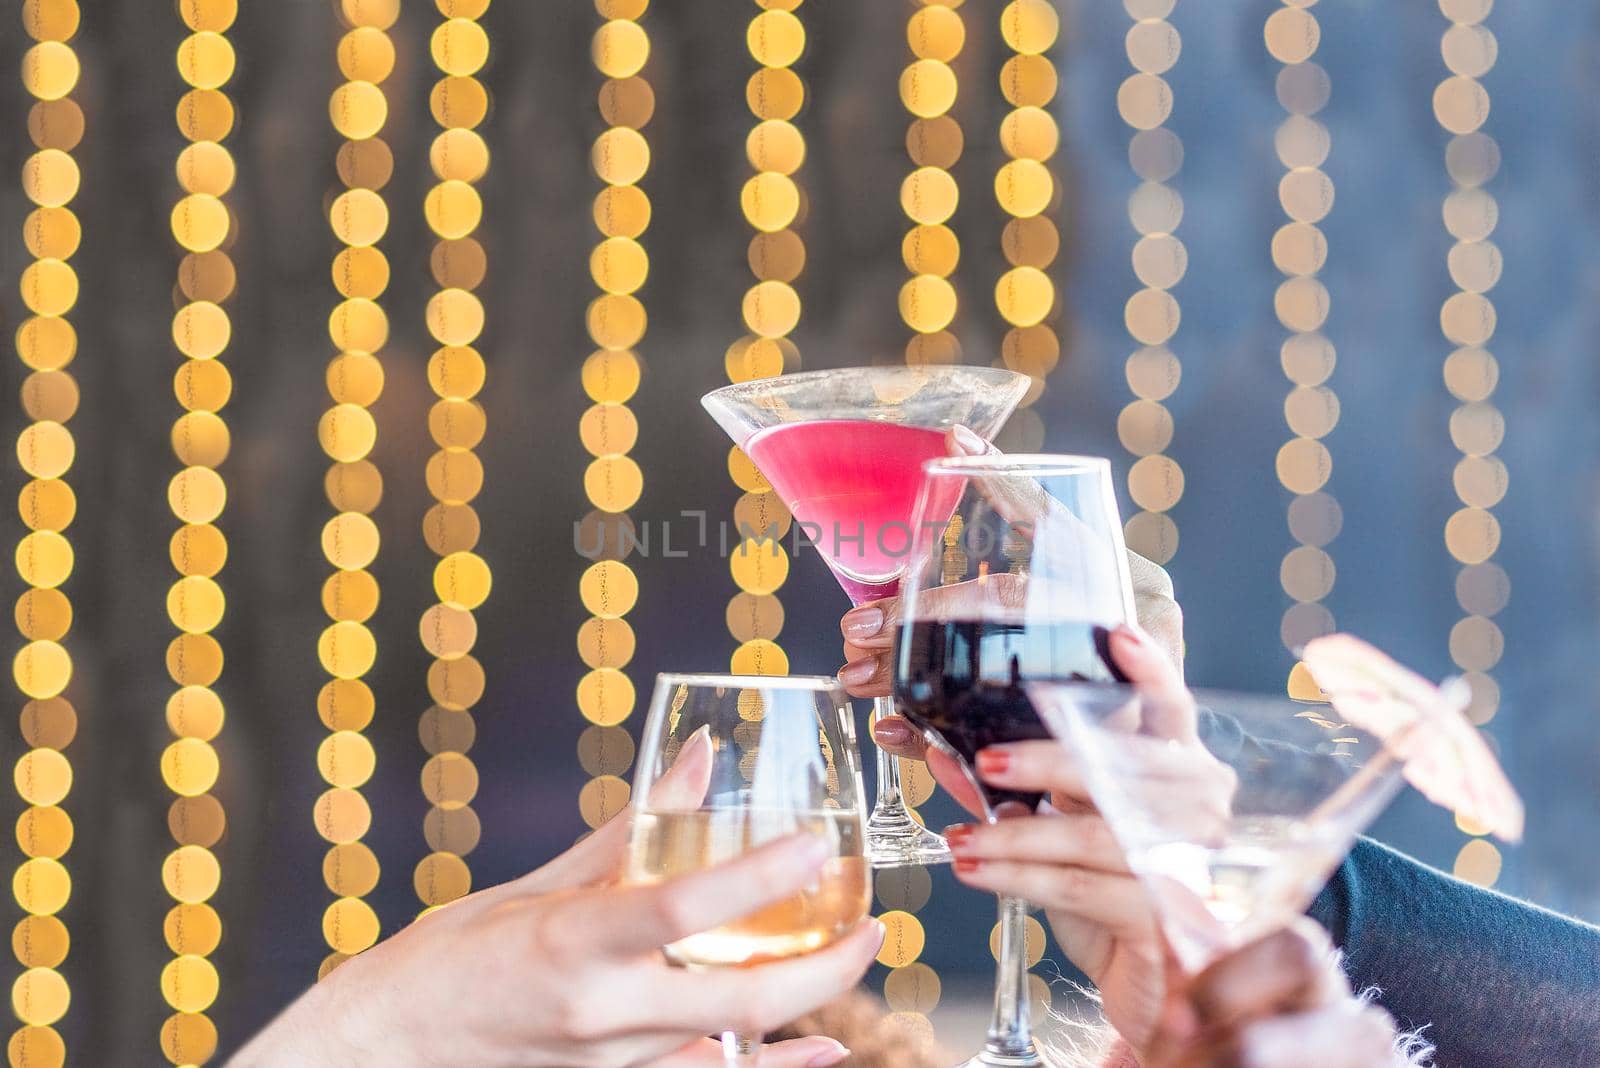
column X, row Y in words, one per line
column 852, row 484
column 844, row 450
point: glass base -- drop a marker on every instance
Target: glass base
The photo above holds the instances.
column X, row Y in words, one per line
column 992, row 1059
column 895, row 840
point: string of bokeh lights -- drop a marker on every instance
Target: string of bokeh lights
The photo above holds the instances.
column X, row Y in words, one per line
column 46, row 344
column 928, row 304
column 609, row 429
column 1027, row 192
column 1025, row 296
column 347, row 432
column 1477, row 428
column 772, row 204
column 1311, row 410
column 453, row 209
column 202, row 226
column 929, row 195
column 1160, row 259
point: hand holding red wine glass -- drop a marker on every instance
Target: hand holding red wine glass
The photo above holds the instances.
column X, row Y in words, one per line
column 1024, row 583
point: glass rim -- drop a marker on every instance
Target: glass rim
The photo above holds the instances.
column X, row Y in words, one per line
column 749, row 682
column 996, row 374
column 1037, row 464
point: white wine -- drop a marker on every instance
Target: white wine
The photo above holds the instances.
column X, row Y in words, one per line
column 1266, row 870
column 665, row 844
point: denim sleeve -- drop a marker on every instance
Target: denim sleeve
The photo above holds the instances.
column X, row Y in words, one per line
column 1496, row 982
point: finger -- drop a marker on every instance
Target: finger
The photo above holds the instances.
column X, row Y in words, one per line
column 1344, row 1036
column 1033, row 767
column 1167, row 707
column 639, row 918
column 1185, row 783
column 868, row 676
column 1081, row 840
column 599, row 856
column 1287, row 971
column 760, row 998
column 1018, row 501
column 895, row 735
column 872, row 625
column 962, row 441
column 948, row 773
column 814, row 1051
column 683, row 786
column 595, row 859
column 1116, row 902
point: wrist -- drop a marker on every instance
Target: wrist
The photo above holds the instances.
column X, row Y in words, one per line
column 334, row 1023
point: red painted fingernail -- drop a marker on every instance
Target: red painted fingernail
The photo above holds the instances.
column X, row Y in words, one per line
column 993, row 762
column 967, row 865
column 958, row 835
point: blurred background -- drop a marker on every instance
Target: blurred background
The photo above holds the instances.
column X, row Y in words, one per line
column 1438, row 162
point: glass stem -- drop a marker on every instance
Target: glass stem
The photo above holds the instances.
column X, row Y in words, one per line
column 739, row 1051
column 1010, row 1031
column 890, row 806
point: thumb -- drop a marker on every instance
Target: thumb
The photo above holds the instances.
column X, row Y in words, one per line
column 811, row 1052
column 1167, row 706
column 599, row 856
column 1019, row 502
column 961, row 441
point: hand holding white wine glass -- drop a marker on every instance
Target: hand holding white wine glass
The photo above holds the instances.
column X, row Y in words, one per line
column 782, row 764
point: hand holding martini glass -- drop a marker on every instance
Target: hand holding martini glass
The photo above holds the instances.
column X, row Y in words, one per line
column 844, row 450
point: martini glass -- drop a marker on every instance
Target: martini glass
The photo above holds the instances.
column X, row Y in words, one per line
column 844, row 450
column 1233, row 809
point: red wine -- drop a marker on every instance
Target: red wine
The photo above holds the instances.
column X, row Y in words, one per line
column 963, row 681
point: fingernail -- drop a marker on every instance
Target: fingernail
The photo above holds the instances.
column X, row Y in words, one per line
column 958, row 835
column 863, row 622
column 967, row 865
column 859, row 672
column 1132, row 635
column 834, row 1054
column 992, row 762
column 891, row 733
column 881, row 929
column 971, row 441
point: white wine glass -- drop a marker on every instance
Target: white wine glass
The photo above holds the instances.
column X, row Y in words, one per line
column 782, row 761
